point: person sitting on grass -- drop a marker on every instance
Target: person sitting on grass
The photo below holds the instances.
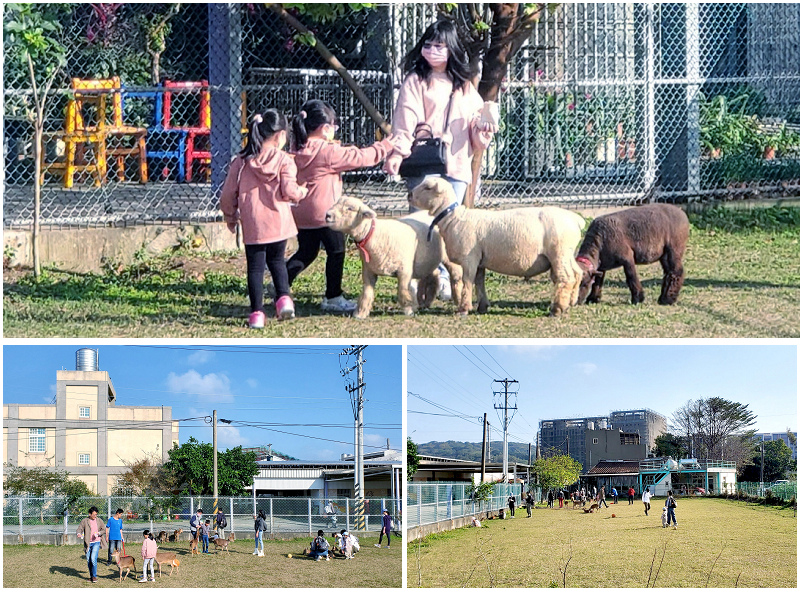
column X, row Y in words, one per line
column 319, row 547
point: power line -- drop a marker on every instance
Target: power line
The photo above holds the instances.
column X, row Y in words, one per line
column 473, row 363
column 506, row 372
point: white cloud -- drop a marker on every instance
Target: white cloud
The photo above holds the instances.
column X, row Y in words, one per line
column 216, row 387
column 252, row 382
column 375, row 440
column 542, row 352
column 199, row 357
column 587, row 368
column 229, row 437
column 50, row 398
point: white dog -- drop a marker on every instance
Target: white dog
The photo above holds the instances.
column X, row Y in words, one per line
column 664, row 517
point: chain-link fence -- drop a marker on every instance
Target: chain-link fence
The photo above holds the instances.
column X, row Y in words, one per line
column 784, row 491
column 429, row 503
column 26, row 516
column 606, row 103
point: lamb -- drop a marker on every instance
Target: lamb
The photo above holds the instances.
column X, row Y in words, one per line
column 397, row 247
column 644, row 234
column 523, row 242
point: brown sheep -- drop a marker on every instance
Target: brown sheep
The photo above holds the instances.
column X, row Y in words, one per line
column 644, row 234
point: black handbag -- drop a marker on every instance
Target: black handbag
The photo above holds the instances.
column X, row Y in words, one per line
column 428, row 155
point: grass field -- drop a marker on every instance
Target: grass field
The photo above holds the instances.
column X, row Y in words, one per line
column 718, row 544
column 44, row 566
column 738, row 284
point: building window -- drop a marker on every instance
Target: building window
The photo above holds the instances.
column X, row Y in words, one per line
column 84, row 412
column 594, row 440
column 83, row 459
column 36, row 440
column 342, row 493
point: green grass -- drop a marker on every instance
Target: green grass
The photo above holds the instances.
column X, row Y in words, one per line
column 718, row 543
column 739, row 283
column 45, row 566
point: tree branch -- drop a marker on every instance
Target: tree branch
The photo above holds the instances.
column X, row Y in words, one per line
column 336, row 65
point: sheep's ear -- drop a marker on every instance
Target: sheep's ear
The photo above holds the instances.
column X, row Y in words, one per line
column 368, row 212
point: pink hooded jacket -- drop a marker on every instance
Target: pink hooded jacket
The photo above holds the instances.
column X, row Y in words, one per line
column 258, row 191
column 149, row 549
column 319, row 167
column 426, row 102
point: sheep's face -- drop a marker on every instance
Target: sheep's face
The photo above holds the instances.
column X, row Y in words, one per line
column 347, row 214
column 434, row 193
column 587, row 281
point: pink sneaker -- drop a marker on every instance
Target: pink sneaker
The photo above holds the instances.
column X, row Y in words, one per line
column 256, row 320
column 284, row 308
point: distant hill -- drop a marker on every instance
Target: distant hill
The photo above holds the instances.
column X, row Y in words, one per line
column 472, row 451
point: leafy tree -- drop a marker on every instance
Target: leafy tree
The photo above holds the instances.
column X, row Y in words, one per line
column 556, row 471
column 35, row 481
column 145, row 476
column 412, row 459
column 33, row 38
column 156, row 27
column 671, row 445
column 707, row 423
column 482, row 492
column 191, row 465
column 778, row 462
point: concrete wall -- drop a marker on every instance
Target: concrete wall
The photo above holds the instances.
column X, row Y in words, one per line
column 127, row 445
column 80, row 441
column 85, row 249
column 81, row 396
column 416, row 532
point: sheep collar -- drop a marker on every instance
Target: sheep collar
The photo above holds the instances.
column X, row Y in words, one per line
column 586, row 262
column 362, row 244
column 440, row 216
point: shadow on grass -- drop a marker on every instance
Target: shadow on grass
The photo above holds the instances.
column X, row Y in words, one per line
column 68, row 571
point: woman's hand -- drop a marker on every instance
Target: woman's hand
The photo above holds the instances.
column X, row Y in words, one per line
column 392, row 164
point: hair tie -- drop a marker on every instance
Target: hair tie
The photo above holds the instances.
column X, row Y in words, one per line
column 303, row 114
column 257, row 118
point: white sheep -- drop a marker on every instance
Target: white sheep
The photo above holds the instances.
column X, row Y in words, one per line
column 522, row 242
column 393, row 247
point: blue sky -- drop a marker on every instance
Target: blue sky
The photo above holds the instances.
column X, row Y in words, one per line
column 266, row 384
column 576, row 380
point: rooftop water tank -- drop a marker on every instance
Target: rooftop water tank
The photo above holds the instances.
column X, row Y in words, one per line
column 602, row 424
column 86, row 360
column 590, row 425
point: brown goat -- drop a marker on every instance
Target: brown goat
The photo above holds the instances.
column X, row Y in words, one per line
column 643, row 234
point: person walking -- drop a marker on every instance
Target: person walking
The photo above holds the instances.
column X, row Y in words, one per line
column 320, row 163
column 602, row 498
column 437, row 99
column 220, row 523
column 614, row 494
column 631, row 494
column 512, row 501
column 92, row 530
column 646, row 500
column 386, row 529
column 258, row 192
column 560, row 498
column 115, row 537
column 529, row 503
column 149, row 550
column 550, row 499
column 671, row 505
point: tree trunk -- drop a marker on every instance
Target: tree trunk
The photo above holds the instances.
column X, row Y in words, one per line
column 38, row 154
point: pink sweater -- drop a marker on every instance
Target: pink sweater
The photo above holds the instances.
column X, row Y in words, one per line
column 260, row 196
column 319, row 167
column 421, row 102
column 149, row 549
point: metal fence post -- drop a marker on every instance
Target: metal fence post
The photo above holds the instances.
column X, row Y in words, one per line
column 309, row 516
column 191, row 507
column 21, row 535
column 347, row 512
column 231, row 514
column 109, row 506
column 693, row 98
column 436, row 502
column 419, row 505
column 271, row 519
column 149, row 511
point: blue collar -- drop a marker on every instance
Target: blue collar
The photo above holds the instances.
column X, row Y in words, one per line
column 439, row 217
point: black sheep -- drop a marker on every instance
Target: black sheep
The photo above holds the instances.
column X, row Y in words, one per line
column 644, row 234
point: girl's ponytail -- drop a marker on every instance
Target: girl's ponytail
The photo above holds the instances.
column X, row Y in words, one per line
column 299, row 130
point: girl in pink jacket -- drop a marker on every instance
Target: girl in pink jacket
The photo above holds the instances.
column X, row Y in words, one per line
column 320, row 162
column 149, row 550
column 437, row 98
column 258, row 191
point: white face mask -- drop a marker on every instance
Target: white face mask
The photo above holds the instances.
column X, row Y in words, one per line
column 435, row 55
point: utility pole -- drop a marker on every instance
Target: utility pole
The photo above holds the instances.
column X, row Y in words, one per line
column 529, row 464
column 483, row 450
column 356, row 392
column 762, row 461
column 505, row 382
column 214, row 439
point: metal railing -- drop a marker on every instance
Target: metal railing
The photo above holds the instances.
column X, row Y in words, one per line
column 784, row 491
column 429, row 503
column 24, row 516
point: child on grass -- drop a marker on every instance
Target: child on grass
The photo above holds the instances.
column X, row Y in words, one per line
column 260, row 186
column 149, row 549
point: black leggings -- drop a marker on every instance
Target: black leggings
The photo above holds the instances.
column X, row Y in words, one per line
column 273, row 255
column 308, row 248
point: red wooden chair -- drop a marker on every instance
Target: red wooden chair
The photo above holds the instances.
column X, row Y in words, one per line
column 201, row 129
